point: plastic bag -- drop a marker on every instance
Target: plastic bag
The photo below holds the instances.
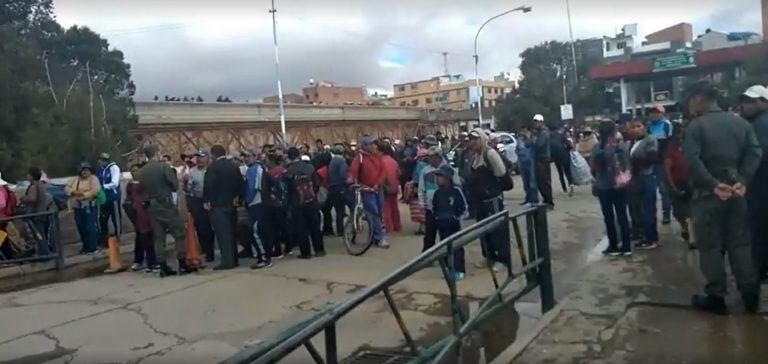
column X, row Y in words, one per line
column 580, row 170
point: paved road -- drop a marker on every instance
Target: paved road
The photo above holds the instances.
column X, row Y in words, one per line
column 138, row 318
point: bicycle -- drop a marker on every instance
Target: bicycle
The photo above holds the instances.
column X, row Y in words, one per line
column 358, row 232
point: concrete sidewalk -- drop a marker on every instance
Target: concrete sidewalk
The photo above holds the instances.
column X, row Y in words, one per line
column 637, row 310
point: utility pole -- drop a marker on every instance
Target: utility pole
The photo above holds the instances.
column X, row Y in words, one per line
column 573, row 45
column 284, row 135
column 445, row 63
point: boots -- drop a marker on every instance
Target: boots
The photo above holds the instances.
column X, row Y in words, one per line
column 166, row 271
column 185, row 268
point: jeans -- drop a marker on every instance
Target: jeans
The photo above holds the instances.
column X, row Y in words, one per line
column 143, row 247
column 529, row 182
column 649, row 186
column 335, row 202
column 613, row 204
column 495, row 244
column 661, row 181
column 543, row 173
column 85, row 219
column 203, row 228
column 305, row 224
column 372, row 204
column 563, row 166
column 224, row 221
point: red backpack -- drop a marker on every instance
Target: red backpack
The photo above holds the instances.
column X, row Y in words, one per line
column 10, row 202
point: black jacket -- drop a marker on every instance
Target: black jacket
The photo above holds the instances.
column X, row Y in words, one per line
column 223, row 182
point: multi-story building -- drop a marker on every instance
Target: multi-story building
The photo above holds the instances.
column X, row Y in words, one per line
column 288, row 99
column 450, row 92
column 328, row 93
column 655, row 71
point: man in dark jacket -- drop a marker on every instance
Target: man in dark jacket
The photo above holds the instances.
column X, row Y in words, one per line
column 223, row 190
column 337, row 186
column 304, row 209
column 541, row 158
column 721, row 173
column 754, row 107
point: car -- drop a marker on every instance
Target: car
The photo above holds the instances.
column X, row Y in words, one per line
column 506, row 143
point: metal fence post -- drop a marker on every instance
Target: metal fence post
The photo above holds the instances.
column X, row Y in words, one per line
column 55, row 234
column 331, row 354
column 544, row 272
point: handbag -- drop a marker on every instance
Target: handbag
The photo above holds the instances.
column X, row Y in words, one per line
column 622, row 179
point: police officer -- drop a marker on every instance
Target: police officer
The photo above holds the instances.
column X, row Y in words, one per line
column 722, row 154
column 159, row 180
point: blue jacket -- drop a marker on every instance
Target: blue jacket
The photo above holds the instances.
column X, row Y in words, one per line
column 337, row 171
column 449, row 204
column 253, row 178
column 109, row 176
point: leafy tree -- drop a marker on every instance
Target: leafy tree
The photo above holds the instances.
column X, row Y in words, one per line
column 64, row 94
column 199, row 99
column 155, row 98
column 186, row 99
column 545, row 68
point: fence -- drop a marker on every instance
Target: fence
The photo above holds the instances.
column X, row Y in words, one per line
column 48, row 222
column 536, row 269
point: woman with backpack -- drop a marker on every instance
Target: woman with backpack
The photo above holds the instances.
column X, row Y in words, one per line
column 610, row 166
column 82, row 191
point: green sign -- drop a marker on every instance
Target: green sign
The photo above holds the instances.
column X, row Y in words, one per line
column 668, row 63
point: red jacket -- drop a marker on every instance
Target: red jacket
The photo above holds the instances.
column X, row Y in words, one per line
column 367, row 170
column 391, row 173
column 139, row 216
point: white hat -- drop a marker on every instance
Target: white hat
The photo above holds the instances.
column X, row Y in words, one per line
column 2, row 181
column 305, row 158
column 538, row 117
column 756, row 92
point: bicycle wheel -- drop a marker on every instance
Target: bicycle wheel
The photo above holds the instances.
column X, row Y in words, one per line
column 358, row 241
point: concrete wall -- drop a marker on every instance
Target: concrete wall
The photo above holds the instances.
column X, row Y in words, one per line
column 287, row 99
column 335, row 95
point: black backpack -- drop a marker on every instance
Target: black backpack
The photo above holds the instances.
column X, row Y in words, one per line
column 305, row 189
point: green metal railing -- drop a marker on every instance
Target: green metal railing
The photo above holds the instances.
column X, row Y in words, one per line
column 536, row 269
column 51, row 237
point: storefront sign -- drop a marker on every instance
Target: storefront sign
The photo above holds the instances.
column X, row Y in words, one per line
column 677, row 61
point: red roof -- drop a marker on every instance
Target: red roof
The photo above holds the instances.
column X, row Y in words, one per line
column 721, row 56
column 621, row 69
column 708, row 58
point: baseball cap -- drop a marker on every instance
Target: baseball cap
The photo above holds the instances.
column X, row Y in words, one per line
column 85, row 165
column 366, row 141
column 538, row 117
column 476, row 133
column 659, row 109
column 446, row 171
column 105, row 156
column 247, row 152
column 201, row 153
column 429, row 140
column 434, row 150
column 756, row 92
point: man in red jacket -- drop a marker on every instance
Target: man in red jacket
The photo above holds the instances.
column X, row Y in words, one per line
column 367, row 170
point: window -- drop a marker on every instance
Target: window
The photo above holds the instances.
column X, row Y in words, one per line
column 307, row 95
column 428, row 101
column 414, row 86
column 401, row 88
column 402, row 103
column 415, row 102
column 621, row 45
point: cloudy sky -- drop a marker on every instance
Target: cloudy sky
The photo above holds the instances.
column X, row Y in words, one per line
column 224, row 47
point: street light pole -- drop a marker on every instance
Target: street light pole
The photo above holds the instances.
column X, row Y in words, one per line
column 524, row 9
column 573, row 45
column 284, row 135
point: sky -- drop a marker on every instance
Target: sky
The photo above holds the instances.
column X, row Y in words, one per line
column 225, row 47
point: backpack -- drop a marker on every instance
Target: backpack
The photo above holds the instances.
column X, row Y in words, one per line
column 10, row 202
column 506, row 181
column 274, row 187
column 305, row 189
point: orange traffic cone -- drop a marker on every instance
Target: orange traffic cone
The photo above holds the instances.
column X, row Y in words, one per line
column 193, row 247
column 114, row 256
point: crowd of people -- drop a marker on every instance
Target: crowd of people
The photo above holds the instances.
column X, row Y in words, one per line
column 710, row 173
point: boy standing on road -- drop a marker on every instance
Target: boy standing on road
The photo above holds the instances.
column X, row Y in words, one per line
column 449, row 206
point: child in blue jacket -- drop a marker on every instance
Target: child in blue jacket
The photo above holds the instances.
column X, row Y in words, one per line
column 449, row 207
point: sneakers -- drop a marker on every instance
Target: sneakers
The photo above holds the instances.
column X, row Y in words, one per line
column 457, row 276
column 713, row 304
column 570, row 191
column 261, row 265
column 625, row 251
column 612, row 251
column 383, row 244
column 647, row 245
column 135, row 267
column 153, row 269
column 666, row 220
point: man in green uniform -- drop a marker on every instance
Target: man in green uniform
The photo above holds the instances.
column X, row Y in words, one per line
column 158, row 180
column 722, row 154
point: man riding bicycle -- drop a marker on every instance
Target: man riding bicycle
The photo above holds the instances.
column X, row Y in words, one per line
column 367, row 171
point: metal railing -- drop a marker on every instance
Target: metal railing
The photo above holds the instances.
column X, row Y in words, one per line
column 52, row 235
column 536, row 269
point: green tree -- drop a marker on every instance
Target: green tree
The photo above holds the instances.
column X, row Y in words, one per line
column 64, row 94
column 545, row 68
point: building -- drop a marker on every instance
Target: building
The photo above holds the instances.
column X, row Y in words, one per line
column 655, row 72
column 287, row 99
column 712, row 39
column 328, row 93
column 450, row 92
